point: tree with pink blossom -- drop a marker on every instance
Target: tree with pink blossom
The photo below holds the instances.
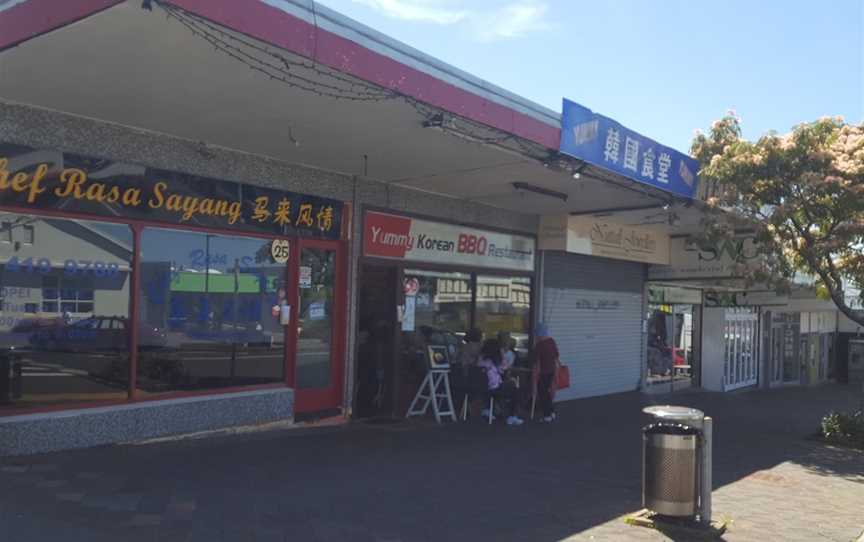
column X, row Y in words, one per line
column 803, row 193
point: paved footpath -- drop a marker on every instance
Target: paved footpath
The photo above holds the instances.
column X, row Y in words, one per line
column 572, row 480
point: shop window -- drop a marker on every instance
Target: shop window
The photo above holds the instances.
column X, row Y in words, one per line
column 63, row 295
column 51, row 274
column 28, row 234
column 18, row 231
column 504, row 306
column 438, row 315
column 741, row 347
column 207, row 312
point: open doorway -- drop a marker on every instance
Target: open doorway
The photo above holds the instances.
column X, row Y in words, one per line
column 376, row 344
column 673, row 346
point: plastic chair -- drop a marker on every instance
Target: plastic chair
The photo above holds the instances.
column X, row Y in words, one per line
column 478, row 386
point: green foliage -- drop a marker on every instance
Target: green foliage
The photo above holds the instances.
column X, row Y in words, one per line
column 846, row 429
column 803, row 194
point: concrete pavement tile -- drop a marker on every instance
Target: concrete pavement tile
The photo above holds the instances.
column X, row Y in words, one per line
column 51, row 483
column 455, row 470
column 152, row 504
column 146, row 520
column 124, row 502
column 174, row 533
column 96, row 500
column 69, row 497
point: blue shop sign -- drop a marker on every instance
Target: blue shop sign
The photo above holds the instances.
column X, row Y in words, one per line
column 604, row 143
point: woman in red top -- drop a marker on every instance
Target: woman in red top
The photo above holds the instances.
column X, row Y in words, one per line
column 546, row 367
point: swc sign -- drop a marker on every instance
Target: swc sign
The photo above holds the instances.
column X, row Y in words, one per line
column 404, row 238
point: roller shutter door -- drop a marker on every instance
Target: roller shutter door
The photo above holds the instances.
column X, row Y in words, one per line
column 593, row 307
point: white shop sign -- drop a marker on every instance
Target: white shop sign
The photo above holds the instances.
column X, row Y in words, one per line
column 601, row 237
column 688, row 260
column 759, row 298
column 410, row 239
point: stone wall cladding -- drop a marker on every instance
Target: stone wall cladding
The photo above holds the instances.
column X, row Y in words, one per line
column 84, row 428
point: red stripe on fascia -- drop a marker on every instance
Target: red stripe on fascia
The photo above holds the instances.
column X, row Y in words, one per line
column 271, row 25
column 35, row 17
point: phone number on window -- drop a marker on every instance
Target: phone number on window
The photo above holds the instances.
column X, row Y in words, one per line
column 70, row 267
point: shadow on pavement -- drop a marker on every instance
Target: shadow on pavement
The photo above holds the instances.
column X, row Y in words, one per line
column 407, row 481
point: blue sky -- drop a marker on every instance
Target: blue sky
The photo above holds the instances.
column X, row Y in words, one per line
column 660, row 67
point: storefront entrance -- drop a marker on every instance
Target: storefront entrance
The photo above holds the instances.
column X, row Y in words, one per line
column 376, row 342
column 741, row 337
column 319, row 366
column 672, row 353
column 423, row 286
column 674, row 337
column 785, row 365
column 160, row 285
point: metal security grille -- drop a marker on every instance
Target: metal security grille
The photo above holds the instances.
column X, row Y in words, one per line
column 593, row 307
column 741, row 335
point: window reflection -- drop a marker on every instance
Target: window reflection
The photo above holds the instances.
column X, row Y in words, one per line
column 317, row 282
column 64, row 310
column 442, row 315
column 209, row 312
column 504, row 307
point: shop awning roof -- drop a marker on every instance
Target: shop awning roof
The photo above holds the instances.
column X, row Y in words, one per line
column 261, row 76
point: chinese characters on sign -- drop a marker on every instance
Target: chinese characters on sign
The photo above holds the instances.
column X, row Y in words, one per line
column 605, row 143
column 54, row 180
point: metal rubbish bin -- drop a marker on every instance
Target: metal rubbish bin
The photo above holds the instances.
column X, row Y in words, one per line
column 10, row 375
column 672, row 452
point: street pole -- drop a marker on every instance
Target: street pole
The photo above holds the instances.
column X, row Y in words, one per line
column 234, row 317
column 707, row 468
column 207, row 264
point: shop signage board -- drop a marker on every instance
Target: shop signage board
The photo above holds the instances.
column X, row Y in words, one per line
column 305, row 278
column 404, row 238
column 66, row 182
column 280, row 250
column 722, row 260
column 758, row 298
column 605, row 238
column 605, row 143
column 662, row 294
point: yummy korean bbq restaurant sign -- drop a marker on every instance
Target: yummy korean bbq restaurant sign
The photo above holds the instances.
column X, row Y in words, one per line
column 58, row 181
column 603, row 142
column 404, row 238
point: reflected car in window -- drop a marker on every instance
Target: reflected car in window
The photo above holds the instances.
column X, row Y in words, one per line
column 94, row 334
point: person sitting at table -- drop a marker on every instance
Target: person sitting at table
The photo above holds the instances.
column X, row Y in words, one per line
column 502, row 390
column 466, row 358
column 508, row 355
column 471, row 348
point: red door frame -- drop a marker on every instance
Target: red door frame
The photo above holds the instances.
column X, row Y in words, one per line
column 331, row 397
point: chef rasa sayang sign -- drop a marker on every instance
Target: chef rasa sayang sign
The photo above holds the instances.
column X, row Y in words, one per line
column 57, row 181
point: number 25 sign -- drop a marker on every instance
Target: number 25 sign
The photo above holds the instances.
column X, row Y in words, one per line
column 280, row 249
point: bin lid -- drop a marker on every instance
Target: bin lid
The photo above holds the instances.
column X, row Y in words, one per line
column 685, row 415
